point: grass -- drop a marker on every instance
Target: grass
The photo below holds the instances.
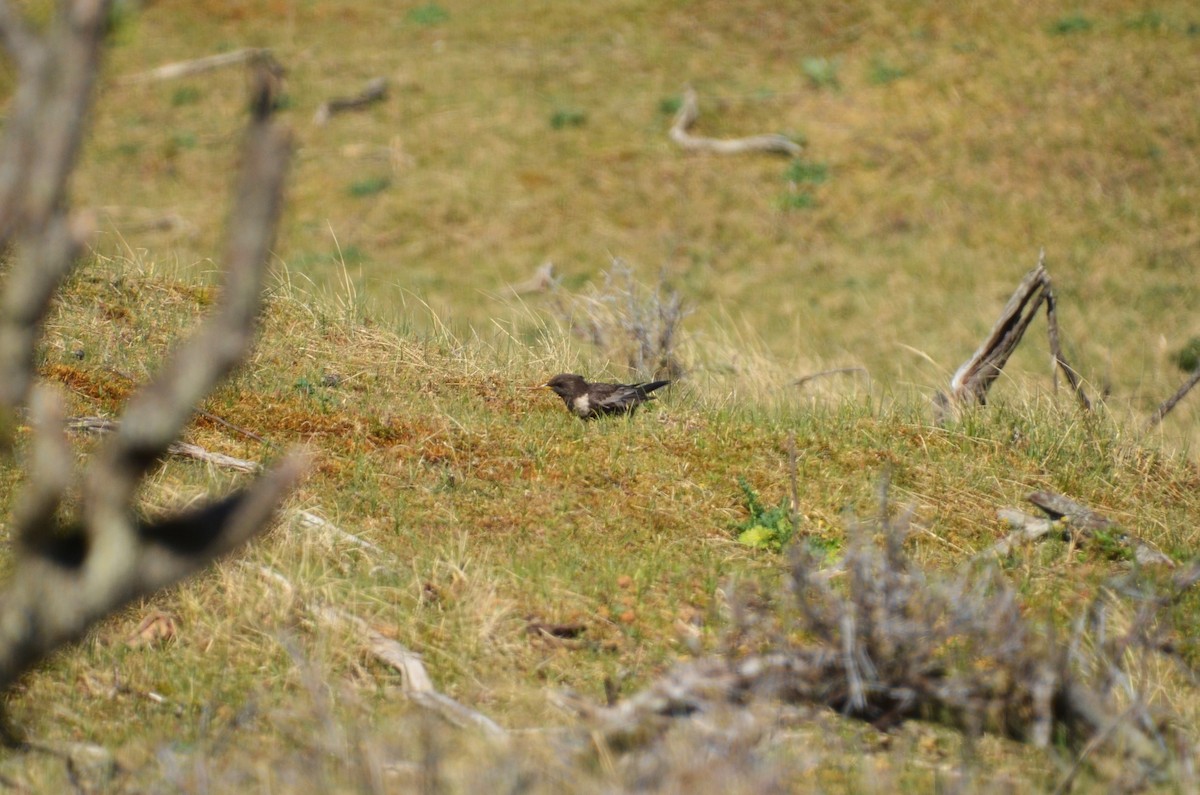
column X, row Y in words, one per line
column 1000, row 140
column 492, row 507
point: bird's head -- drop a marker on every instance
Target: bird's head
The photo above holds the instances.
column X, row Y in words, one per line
column 566, row 384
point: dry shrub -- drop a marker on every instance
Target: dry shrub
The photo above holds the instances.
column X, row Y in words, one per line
column 897, row 644
column 629, row 322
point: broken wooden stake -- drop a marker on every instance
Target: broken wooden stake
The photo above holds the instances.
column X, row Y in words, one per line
column 975, row 376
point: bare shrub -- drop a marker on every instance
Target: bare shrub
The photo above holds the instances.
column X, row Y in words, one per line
column 899, row 644
column 79, row 561
column 630, row 323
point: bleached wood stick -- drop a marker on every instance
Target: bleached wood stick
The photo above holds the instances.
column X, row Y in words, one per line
column 197, row 66
column 689, row 111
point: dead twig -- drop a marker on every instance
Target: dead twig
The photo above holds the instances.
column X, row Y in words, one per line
column 974, row 378
column 195, row 66
column 1165, row 407
column 375, row 91
column 1056, row 348
column 180, row 449
column 689, row 111
column 417, row 684
column 802, row 380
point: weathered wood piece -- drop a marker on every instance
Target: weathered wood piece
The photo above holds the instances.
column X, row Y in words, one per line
column 974, row 377
column 195, row 66
column 689, row 111
column 375, row 91
column 1167, row 405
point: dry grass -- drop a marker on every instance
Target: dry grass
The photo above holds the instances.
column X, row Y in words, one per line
column 490, row 509
column 956, row 143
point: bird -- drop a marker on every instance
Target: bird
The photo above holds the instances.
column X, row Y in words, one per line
column 589, row 401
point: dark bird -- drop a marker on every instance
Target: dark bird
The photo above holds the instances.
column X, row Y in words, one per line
column 588, row 401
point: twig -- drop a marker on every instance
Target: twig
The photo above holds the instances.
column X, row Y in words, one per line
column 196, row 66
column 801, row 381
column 311, row 520
column 975, row 376
column 375, row 91
column 1165, row 408
column 181, row 449
column 1056, row 349
column 689, row 111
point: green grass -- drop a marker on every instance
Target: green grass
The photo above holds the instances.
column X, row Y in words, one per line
column 918, row 204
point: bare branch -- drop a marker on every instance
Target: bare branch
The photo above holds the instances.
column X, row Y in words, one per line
column 49, row 467
column 689, row 111
column 1167, row 405
column 196, row 66
column 1056, row 350
column 18, row 41
column 63, row 585
column 71, row 573
column 37, row 155
column 975, row 376
column 374, row 91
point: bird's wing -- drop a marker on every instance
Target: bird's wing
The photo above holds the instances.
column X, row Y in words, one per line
column 619, row 396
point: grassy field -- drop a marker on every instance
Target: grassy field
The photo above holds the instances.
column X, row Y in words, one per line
column 943, row 149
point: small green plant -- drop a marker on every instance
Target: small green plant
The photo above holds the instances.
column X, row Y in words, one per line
column 314, row 391
column 1187, row 358
column 1110, row 544
column 567, row 117
column 821, row 72
column 804, row 172
column 799, row 200
column 1072, row 23
column 669, row 106
column 883, row 72
column 800, row 175
column 766, row 528
column 428, row 15
column 369, row 186
column 187, row 95
column 1147, row 20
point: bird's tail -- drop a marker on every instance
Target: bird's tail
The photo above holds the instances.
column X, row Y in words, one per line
column 647, row 388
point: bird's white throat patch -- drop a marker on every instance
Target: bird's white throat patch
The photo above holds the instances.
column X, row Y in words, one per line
column 581, row 404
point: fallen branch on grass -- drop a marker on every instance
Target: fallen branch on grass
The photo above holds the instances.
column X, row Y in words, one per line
column 180, row 449
column 1076, row 522
column 417, row 684
column 975, row 376
column 195, row 66
column 375, row 91
column 689, row 111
